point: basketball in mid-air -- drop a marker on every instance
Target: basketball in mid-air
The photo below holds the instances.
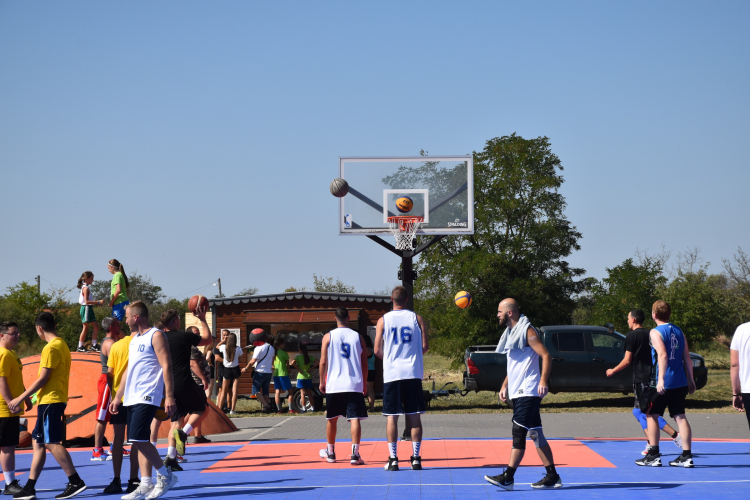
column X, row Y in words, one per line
column 462, row 299
column 195, row 302
column 404, row 204
column 339, row 187
column 24, row 439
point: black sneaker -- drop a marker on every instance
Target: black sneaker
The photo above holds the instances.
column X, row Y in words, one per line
column 71, row 490
column 501, row 480
column 26, row 493
column 392, row 464
column 330, row 457
column 649, row 460
column 548, row 481
column 96, row 348
column 356, row 460
column 416, row 463
column 114, row 487
column 683, row 461
column 80, row 349
column 12, row 488
column 133, row 485
column 173, row 464
column 181, row 440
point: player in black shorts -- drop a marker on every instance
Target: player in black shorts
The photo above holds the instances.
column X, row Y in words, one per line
column 190, row 399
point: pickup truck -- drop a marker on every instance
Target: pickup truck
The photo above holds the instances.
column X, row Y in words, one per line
column 580, row 355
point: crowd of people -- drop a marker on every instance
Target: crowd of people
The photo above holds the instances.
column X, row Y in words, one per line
column 161, row 372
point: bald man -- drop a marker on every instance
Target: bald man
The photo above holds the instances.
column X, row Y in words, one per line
column 526, row 386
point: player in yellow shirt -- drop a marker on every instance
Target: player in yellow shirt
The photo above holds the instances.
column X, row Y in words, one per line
column 117, row 365
column 52, row 384
column 11, row 386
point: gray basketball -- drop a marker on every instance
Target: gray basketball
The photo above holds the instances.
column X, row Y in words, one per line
column 339, row 187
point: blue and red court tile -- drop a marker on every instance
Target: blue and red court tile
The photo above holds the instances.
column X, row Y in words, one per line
column 453, row 468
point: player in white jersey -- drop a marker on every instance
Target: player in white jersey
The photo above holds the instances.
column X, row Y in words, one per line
column 343, row 369
column 149, row 375
column 527, row 385
column 400, row 341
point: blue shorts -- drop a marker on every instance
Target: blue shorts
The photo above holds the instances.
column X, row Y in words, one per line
column 282, row 383
column 118, row 310
column 261, row 382
column 139, row 421
column 49, row 423
column 304, row 383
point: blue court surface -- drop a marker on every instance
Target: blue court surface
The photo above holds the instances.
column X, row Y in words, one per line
column 453, row 468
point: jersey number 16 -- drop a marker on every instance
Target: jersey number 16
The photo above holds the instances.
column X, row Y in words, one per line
column 406, row 333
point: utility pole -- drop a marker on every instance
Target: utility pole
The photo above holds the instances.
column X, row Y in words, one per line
column 39, row 284
column 219, row 281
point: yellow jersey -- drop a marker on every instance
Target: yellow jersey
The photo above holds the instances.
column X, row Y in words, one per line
column 55, row 356
column 12, row 369
column 118, row 361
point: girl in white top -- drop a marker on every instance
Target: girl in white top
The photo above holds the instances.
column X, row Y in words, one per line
column 87, row 311
column 230, row 353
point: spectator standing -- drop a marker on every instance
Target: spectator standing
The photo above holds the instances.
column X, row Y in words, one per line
column 739, row 370
column 262, row 361
column 304, row 363
column 230, row 354
column 87, row 311
column 370, row 372
column 112, row 330
column 281, row 381
column 118, row 289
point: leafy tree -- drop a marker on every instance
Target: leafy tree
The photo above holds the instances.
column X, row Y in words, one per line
column 246, row 291
column 737, row 272
column 323, row 284
column 140, row 287
column 518, row 250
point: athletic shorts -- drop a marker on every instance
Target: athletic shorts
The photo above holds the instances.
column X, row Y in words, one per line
column 403, row 397
column 371, row 375
column 644, row 394
column 103, row 400
column 746, row 402
column 346, row 404
column 526, row 412
column 49, row 423
column 232, row 373
column 189, row 399
column 119, row 418
column 220, row 372
column 674, row 399
column 139, row 422
column 118, row 310
column 304, row 383
column 87, row 314
column 261, row 382
column 10, row 428
column 282, row 383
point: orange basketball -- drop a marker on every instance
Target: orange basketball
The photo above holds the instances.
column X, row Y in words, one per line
column 195, row 302
column 462, row 299
column 404, row 204
column 24, row 439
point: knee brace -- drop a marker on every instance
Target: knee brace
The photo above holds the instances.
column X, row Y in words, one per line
column 662, row 423
column 638, row 414
column 537, row 435
column 519, row 437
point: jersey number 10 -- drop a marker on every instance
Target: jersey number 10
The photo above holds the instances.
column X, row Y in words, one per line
column 405, row 335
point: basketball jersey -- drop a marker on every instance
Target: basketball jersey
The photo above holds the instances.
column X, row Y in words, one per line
column 145, row 380
column 523, row 372
column 402, row 346
column 674, row 341
column 344, row 362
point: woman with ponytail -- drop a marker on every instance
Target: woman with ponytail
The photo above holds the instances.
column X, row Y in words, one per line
column 304, row 363
column 87, row 311
column 119, row 289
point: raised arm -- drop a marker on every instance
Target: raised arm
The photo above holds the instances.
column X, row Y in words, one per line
column 205, row 329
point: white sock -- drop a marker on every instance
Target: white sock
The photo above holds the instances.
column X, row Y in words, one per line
column 393, row 447
column 355, row 449
column 146, row 481
column 330, row 448
column 93, row 341
column 188, row 429
column 162, row 471
column 9, row 476
column 415, row 446
column 80, row 344
column 172, row 452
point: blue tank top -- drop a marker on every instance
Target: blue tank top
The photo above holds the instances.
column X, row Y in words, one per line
column 674, row 341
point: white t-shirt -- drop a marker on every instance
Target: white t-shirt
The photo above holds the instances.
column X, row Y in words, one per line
column 741, row 344
column 344, row 362
column 266, row 353
column 523, row 372
column 402, row 346
column 235, row 361
column 145, row 380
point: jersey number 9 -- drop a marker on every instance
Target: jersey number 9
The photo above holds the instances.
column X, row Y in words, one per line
column 405, row 335
column 346, row 350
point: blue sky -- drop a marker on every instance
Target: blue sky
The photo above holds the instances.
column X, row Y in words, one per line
column 196, row 140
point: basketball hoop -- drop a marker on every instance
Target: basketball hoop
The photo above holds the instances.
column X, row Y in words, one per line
column 403, row 228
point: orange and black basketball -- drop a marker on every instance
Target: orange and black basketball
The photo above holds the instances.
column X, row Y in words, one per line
column 404, row 204
column 196, row 302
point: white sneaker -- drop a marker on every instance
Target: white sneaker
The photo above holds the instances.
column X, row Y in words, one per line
column 678, row 441
column 163, row 483
column 140, row 492
column 645, row 452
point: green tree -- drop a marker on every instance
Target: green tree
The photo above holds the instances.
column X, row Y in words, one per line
column 518, row 250
column 324, row 284
column 140, row 287
column 247, row 291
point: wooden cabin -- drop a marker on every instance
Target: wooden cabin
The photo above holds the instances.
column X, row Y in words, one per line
column 295, row 315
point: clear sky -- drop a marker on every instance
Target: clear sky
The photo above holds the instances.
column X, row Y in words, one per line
column 196, row 140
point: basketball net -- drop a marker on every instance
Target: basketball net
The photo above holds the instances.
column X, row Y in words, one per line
column 404, row 227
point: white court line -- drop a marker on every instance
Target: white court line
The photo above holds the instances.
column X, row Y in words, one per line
column 459, row 484
column 270, row 429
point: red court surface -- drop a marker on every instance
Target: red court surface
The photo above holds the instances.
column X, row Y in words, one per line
column 436, row 453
